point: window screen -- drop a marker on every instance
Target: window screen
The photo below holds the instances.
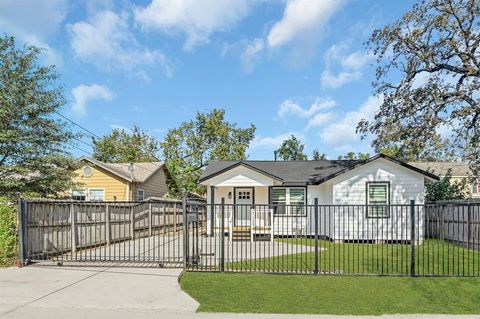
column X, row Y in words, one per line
column 377, row 199
column 96, row 194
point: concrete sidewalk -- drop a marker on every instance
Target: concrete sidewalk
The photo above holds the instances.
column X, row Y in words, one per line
column 66, row 292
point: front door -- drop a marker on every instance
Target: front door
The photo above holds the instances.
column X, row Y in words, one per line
column 243, row 201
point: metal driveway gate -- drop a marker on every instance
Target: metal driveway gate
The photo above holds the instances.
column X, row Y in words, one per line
column 149, row 233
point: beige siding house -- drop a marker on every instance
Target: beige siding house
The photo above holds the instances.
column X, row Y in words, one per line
column 460, row 173
column 120, row 181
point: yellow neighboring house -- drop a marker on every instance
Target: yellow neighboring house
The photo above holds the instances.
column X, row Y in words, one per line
column 101, row 181
column 459, row 172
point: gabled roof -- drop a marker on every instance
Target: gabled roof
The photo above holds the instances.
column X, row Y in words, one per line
column 300, row 172
column 140, row 173
column 458, row 169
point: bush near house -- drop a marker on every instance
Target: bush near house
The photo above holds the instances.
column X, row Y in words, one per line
column 8, row 233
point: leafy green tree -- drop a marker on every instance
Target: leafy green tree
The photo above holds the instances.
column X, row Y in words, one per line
column 291, row 149
column 317, row 156
column 8, row 233
column 445, row 189
column 188, row 148
column 33, row 159
column 428, row 75
column 122, row 146
column 354, row 156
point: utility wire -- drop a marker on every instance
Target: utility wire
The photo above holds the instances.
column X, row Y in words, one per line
column 93, row 135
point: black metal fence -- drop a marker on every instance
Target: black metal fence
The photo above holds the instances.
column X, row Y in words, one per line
column 402, row 240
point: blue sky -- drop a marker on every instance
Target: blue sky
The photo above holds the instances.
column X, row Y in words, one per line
column 289, row 67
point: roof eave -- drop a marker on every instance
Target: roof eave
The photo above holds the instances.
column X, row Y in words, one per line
column 240, row 163
column 430, row 176
column 100, row 164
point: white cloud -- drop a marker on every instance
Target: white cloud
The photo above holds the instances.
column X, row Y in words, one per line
column 250, row 54
column 82, row 94
column 288, row 107
column 331, row 80
column 120, row 128
column 342, row 134
column 106, row 41
column 196, row 19
column 40, row 18
column 301, row 18
column 272, row 142
column 357, row 60
column 33, row 22
column 350, row 65
column 320, row 119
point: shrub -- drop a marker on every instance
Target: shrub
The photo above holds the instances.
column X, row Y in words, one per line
column 8, row 233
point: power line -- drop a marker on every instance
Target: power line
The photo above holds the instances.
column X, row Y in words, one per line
column 94, row 135
column 80, row 149
column 75, row 123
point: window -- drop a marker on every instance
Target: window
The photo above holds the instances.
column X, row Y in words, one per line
column 79, row 194
column 243, row 195
column 378, row 199
column 87, row 171
column 288, row 200
column 476, row 187
column 140, row 194
column 96, row 195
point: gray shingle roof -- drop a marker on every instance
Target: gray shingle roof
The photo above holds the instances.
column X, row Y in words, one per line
column 441, row 168
column 302, row 172
column 290, row 172
column 141, row 171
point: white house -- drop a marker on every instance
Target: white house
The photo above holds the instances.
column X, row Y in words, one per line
column 357, row 200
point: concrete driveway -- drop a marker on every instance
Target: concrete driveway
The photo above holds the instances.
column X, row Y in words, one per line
column 66, row 292
column 54, row 291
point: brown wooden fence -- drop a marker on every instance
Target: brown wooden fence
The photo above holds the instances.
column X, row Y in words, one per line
column 70, row 228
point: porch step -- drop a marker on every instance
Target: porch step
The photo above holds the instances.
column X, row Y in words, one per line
column 241, row 233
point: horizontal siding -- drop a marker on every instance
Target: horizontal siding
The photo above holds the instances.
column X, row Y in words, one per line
column 156, row 185
column 114, row 186
column 350, row 189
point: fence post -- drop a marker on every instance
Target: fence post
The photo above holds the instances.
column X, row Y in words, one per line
column 150, row 219
column 22, row 219
column 132, row 223
column 212, row 211
column 108, row 233
column 412, row 237
column 469, row 225
column 185, row 232
column 222, row 235
column 74, row 229
column 316, row 234
column 175, row 218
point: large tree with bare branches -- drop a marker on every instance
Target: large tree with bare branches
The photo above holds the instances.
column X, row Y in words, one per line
column 428, row 73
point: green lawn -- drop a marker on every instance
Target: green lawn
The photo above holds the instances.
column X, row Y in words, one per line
column 433, row 257
column 341, row 295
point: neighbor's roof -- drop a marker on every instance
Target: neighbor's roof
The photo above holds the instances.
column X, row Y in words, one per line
column 299, row 172
column 141, row 171
column 441, row 168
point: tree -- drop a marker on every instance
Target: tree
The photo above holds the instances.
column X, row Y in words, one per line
column 33, row 159
column 317, row 156
column 291, row 149
column 445, row 189
column 428, row 69
column 122, row 146
column 355, row 156
column 188, row 148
